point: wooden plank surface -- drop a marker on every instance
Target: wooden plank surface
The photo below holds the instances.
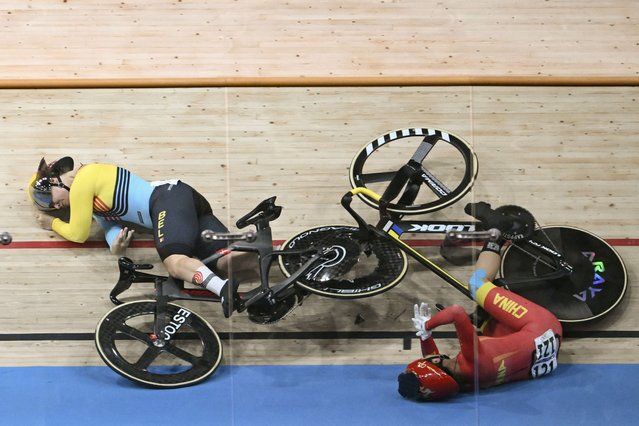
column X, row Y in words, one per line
column 567, row 154
column 46, row 42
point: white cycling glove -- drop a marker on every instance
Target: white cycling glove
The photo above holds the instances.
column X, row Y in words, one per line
column 422, row 315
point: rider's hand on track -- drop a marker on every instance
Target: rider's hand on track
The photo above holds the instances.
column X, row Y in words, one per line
column 45, row 221
column 122, row 241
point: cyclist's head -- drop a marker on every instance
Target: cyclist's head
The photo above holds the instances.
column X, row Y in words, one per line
column 427, row 379
column 41, row 182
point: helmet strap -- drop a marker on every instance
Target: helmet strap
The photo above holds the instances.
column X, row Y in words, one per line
column 453, row 372
column 60, row 184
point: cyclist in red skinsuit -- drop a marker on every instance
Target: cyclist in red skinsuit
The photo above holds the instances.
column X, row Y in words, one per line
column 520, row 340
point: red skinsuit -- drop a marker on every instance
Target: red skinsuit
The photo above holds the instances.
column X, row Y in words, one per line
column 515, row 345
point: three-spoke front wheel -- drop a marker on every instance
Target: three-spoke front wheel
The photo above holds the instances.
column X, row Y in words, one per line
column 445, row 168
column 186, row 351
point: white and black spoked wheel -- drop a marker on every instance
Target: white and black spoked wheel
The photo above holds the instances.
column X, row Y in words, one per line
column 445, row 167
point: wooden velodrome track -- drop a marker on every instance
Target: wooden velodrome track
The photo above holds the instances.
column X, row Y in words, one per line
column 245, row 100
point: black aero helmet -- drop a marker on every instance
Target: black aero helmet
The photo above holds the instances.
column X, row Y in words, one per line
column 40, row 184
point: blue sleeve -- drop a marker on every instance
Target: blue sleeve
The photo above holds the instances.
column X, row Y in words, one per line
column 111, row 229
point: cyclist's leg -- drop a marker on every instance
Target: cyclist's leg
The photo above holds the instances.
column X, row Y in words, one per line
column 486, row 269
column 487, row 266
column 174, row 212
column 242, row 265
column 514, row 312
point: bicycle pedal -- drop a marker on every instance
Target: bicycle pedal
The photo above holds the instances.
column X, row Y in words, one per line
column 266, row 313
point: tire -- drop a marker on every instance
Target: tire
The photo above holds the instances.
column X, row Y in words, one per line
column 596, row 285
column 353, row 269
column 448, row 169
column 124, row 338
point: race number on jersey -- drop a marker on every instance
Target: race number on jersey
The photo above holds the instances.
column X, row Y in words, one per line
column 545, row 355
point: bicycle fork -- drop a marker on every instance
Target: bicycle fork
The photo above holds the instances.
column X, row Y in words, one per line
column 164, row 328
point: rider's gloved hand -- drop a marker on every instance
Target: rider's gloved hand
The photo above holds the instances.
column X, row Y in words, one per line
column 422, row 315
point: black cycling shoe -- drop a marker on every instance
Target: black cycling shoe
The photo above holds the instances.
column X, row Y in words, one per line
column 227, row 297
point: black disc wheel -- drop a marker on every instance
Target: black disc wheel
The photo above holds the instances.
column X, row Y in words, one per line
column 596, row 285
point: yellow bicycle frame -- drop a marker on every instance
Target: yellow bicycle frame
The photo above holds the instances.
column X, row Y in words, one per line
column 395, row 238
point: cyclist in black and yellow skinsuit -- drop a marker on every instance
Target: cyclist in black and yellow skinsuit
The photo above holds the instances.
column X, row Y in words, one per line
column 118, row 199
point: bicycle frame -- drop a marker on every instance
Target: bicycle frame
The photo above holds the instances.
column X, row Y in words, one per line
column 168, row 289
column 392, row 227
column 393, row 230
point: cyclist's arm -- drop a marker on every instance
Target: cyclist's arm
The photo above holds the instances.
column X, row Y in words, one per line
column 81, row 213
column 111, row 229
column 466, row 334
column 429, row 347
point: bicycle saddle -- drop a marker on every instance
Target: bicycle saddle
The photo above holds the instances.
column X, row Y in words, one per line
column 126, row 264
column 129, row 272
column 265, row 211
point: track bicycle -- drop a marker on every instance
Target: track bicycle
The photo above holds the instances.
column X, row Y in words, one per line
column 575, row 274
column 161, row 344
